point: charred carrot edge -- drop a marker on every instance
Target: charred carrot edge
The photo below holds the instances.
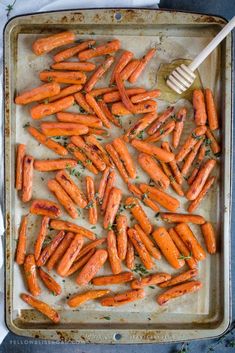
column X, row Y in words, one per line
column 195, row 203
column 68, row 53
column 63, row 198
column 211, row 110
column 27, row 182
column 79, row 263
column 125, row 157
column 167, row 247
column 44, row 45
column 94, row 143
column 151, row 248
column 177, row 187
column 44, row 308
column 114, row 260
column 31, row 275
column 68, row 77
column 121, row 63
column 98, row 111
column 121, row 226
column 102, row 185
column 113, row 279
column 154, row 278
column 190, row 142
column 82, row 298
column 49, row 282
column 152, row 168
column 209, row 237
column 190, row 157
column 54, row 146
column 130, row 255
column 104, row 49
column 73, row 66
column 141, row 124
column 138, row 213
column 41, row 110
column 70, row 255
column 89, row 247
column 115, row 120
column 49, row 165
column 184, row 251
column 67, row 91
column 140, row 248
column 114, row 200
column 98, row 73
column 119, row 108
column 59, row 251
column 160, row 120
column 179, row 125
column 45, row 208
column 182, row 277
column 123, row 298
column 173, row 165
column 39, row 93
column 99, row 92
column 21, row 242
column 190, row 241
column 93, row 266
column 182, row 218
column 129, row 69
column 71, row 227
column 114, row 96
column 19, row 166
column 145, row 96
column 201, row 156
column 81, row 101
column 165, row 130
column 153, row 150
column 82, row 158
column 199, row 106
column 178, row 291
column 122, row 91
column 63, row 129
column 200, row 180
column 92, row 205
column 118, row 163
column 142, row 65
column 143, row 197
column 41, row 237
column 83, row 119
column 63, row 178
column 109, row 185
column 50, row 248
column 213, row 143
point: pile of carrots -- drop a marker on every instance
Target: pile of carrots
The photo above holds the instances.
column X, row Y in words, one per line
column 165, row 163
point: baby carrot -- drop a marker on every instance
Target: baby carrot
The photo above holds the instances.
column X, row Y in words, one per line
column 173, row 165
column 211, row 110
column 209, row 237
column 91, row 206
column 114, row 200
column 49, row 249
column 31, row 275
column 41, row 110
column 124, row 96
column 68, row 53
column 151, row 248
column 145, row 96
column 118, row 163
column 59, row 251
column 49, row 282
column 200, row 115
column 114, row 119
column 39, row 93
column 81, row 101
column 129, row 69
column 142, row 65
column 104, row 49
column 119, row 108
column 71, row 227
column 79, row 263
column 46, row 44
column 179, row 125
column 201, row 156
column 114, row 260
column 114, row 96
column 98, row 111
column 123, row 298
column 160, row 120
column 21, row 241
column 121, row 63
column 82, row 158
column 49, row 165
column 90, row 246
column 63, row 129
column 177, row 187
column 182, row 218
column 138, row 213
column 68, row 77
column 153, row 279
column 113, row 279
column 141, row 124
column 182, row 277
column 153, row 150
column 121, row 226
column 213, row 143
column 130, row 255
column 82, row 298
column 67, row 91
column 167, row 247
column 125, row 156
column 27, row 182
column 73, row 66
column 19, row 166
column 41, row 237
column 143, row 197
column 45, row 208
column 190, row 157
column 195, row 203
column 83, row 119
column 165, row 130
column 99, row 92
column 96, row 145
column 178, row 291
column 102, row 185
column 98, row 73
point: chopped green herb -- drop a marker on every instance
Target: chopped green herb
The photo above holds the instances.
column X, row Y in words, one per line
column 110, row 227
column 161, row 131
column 145, row 196
column 88, row 161
column 91, row 46
column 49, row 79
column 26, row 125
column 152, row 287
column 140, row 269
column 46, row 101
column 182, row 257
column 140, row 135
column 218, row 154
column 129, row 206
column 75, row 173
column 99, row 139
column 207, row 153
column 207, row 142
column 93, row 227
column 196, row 136
column 157, row 215
column 89, row 205
column 137, row 177
column 106, row 317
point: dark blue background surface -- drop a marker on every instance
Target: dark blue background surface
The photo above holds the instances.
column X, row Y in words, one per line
column 16, row 344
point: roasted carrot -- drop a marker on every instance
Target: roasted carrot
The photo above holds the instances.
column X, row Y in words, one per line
column 130, row 255
column 50, row 248
column 66, row 182
column 90, row 246
column 96, row 145
column 68, row 77
column 104, row 49
column 213, row 143
column 123, row 298
column 134, row 189
column 41, row 237
column 48, row 165
column 82, row 298
column 102, row 185
column 190, row 142
column 67, row 91
column 99, row 92
column 151, row 248
column 98, row 73
column 124, row 96
column 92, row 205
column 59, row 251
column 91, row 268
column 173, row 165
column 83, row 119
column 31, row 275
column 125, row 156
column 19, row 166
column 114, row 96
column 121, row 63
column 167, row 247
column 39, row 93
column 121, row 226
column 190, row 157
column 82, row 102
column 49, row 282
column 82, row 158
column 152, row 168
column 138, row 213
column 46, row 44
column 142, row 65
column 141, row 124
column 44, row 140
column 155, row 278
column 140, row 248
column 113, row 279
column 211, row 110
column 114, row 260
column 165, row 130
column 118, row 163
column 200, row 157
column 79, row 263
column 99, row 132
column 68, row 53
column 70, row 255
column 129, row 69
column 44, row 308
column 190, row 241
column 114, row 200
column 27, row 182
column 200, row 180
column 63, row 198
column 200, row 115
column 153, row 150
column 145, row 96
column 21, row 241
column 182, row 277
column 45, row 208
column 196, row 202
column 184, row 251
column 73, row 66
column 110, row 184
column 114, row 119
column 98, row 111
column 41, row 110
column 119, row 108
column 71, row 227
column 209, row 237
column 177, row 187
column 160, row 120
column 63, row 129
column 179, row 125
column 182, row 218
column 178, row 291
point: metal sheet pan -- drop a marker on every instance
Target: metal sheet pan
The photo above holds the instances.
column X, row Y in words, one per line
column 138, row 28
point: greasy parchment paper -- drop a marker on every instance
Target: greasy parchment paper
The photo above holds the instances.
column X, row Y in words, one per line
column 169, row 48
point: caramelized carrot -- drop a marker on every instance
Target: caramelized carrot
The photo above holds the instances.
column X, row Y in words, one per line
column 68, row 77
column 201, row 156
column 71, row 227
column 121, row 63
column 199, row 107
column 113, row 279
column 143, row 197
column 178, row 189
column 182, row 218
column 123, row 298
column 213, row 143
column 150, row 247
column 115, row 120
column 49, row 282
column 129, row 69
column 145, row 96
column 99, row 92
column 79, row 263
column 109, row 185
column 68, row 53
column 121, row 226
column 179, row 125
column 21, row 241
column 153, row 150
column 83, row 119
column 182, row 277
column 155, row 278
column 46, row 44
column 211, row 110
column 49, row 165
column 125, row 156
column 92, row 206
column 39, row 93
column 41, row 110
column 138, row 213
column 209, row 237
column 41, row 237
column 49, row 249
column 98, row 111
column 96, row 145
column 114, row 200
column 178, row 291
column 102, row 185
column 98, row 74
column 19, row 166
column 142, row 65
column 67, row 91
column 45, row 208
column 161, row 133
column 195, row 203
column 130, row 255
column 82, row 298
column 27, row 182
column 114, row 260
column 122, row 91
column 160, row 120
column 190, row 157
column 104, row 49
column 90, row 246
column 63, row 129
column 81, row 101
column 118, row 163
column 73, row 66
column 140, row 108
column 31, row 275
column 135, row 130
column 82, row 158
column 59, row 251
column 173, row 165
column 114, row 96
